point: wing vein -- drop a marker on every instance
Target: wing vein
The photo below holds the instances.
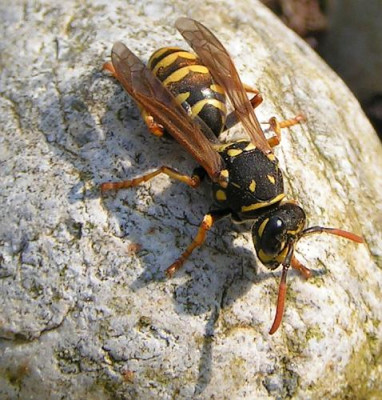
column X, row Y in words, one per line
column 150, row 94
column 216, row 58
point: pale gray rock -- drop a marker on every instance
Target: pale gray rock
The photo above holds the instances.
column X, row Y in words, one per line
column 85, row 310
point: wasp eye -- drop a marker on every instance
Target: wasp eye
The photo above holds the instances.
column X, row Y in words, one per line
column 273, row 236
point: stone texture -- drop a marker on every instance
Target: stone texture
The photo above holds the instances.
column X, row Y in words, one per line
column 85, row 310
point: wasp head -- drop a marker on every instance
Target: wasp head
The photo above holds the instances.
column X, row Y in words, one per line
column 275, row 232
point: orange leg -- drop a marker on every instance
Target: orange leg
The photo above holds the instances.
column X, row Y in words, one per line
column 205, row 226
column 250, row 89
column 305, row 272
column 276, row 127
column 108, row 66
column 192, row 181
column 155, row 128
column 255, row 101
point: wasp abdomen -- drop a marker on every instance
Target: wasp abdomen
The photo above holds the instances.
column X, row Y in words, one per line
column 191, row 84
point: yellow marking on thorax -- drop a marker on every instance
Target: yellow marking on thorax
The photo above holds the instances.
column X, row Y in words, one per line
column 224, row 173
column 179, row 74
column 182, row 97
column 223, row 178
column 256, row 206
column 252, row 186
column 271, row 156
column 220, row 195
column 222, row 146
column 250, row 146
column 171, row 58
column 198, row 106
column 234, row 152
column 271, row 179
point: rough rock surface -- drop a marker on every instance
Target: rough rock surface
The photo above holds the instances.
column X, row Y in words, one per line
column 85, row 311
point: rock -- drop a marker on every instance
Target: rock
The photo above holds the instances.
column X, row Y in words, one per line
column 85, row 309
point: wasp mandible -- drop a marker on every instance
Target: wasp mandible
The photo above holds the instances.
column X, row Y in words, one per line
column 185, row 95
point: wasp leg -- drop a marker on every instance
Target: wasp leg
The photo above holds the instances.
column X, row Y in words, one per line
column 250, row 89
column 108, row 66
column 305, row 272
column 276, row 127
column 155, row 128
column 256, row 100
column 193, row 181
column 208, row 220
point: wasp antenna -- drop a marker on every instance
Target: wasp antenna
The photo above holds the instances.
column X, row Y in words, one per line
column 280, row 301
column 333, row 231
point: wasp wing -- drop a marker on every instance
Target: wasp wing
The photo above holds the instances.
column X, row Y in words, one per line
column 149, row 93
column 214, row 56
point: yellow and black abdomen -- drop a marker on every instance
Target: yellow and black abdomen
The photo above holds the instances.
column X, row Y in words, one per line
column 192, row 85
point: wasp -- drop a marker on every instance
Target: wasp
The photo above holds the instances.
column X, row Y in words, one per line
column 184, row 95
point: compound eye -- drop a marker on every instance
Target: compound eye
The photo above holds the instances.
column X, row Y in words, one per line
column 273, row 237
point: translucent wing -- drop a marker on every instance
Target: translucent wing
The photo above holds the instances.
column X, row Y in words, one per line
column 214, row 56
column 149, row 92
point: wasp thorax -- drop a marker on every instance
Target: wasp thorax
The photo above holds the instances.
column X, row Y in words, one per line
column 274, row 231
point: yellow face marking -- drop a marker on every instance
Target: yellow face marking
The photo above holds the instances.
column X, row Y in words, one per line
column 182, row 97
column 262, row 227
column 256, row 206
column 234, row 152
column 252, row 186
column 281, row 257
column 250, row 146
column 220, row 195
column 197, row 107
column 297, row 230
column 179, row 74
column 267, row 258
column 171, row 58
column 264, row 257
column 271, row 179
column 217, row 89
column 271, row 156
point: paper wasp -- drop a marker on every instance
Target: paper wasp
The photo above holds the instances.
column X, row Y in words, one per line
column 247, row 183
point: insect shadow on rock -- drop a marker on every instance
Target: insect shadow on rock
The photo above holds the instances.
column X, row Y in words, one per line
column 184, row 95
